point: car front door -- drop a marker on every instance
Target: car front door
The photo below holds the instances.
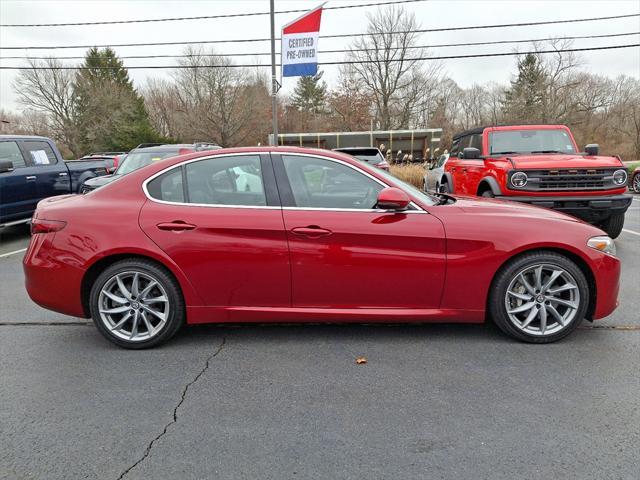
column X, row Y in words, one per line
column 347, row 254
column 220, row 220
column 18, row 195
column 474, row 167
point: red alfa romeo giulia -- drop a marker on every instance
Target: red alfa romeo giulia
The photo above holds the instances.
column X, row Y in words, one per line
column 298, row 235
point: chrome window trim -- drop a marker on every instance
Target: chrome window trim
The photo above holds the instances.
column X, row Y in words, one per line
column 270, row 207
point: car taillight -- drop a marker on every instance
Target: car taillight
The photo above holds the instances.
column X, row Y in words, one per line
column 383, row 165
column 46, row 226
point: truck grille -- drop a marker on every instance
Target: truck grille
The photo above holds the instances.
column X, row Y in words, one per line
column 569, row 179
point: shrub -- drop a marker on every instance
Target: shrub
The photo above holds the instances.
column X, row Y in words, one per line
column 412, row 173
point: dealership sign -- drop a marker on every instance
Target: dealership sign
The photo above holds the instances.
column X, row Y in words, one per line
column 300, row 45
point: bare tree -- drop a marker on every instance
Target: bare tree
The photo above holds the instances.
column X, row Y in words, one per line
column 385, row 61
column 50, row 91
column 214, row 98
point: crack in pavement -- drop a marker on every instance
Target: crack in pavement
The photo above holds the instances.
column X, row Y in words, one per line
column 147, row 450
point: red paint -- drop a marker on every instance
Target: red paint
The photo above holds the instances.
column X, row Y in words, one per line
column 309, row 22
column 273, row 264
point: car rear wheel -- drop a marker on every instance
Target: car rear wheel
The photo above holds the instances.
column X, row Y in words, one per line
column 136, row 304
column 539, row 297
column 613, row 225
column 444, row 188
column 487, row 194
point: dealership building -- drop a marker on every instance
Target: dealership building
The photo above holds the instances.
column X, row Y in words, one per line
column 422, row 143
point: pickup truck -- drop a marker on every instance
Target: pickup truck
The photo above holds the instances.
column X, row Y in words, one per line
column 31, row 168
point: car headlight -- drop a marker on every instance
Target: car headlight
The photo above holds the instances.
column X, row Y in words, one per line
column 519, row 179
column 603, row 244
column 620, row 177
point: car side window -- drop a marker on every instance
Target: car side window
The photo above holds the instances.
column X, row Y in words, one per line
column 9, row 151
column 322, row 183
column 462, row 144
column 40, row 153
column 232, row 180
column 455, row 147
column 168, row 186
column 476, row 142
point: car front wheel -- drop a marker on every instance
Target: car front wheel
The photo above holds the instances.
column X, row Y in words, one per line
column 136, row 304
column 539, row 297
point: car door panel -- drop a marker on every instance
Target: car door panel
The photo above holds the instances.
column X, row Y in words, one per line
column 50, row 172
column 367, row 260
column 233, row 255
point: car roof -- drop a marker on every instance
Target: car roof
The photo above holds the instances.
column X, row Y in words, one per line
column 512, row 126
column 24, row 137
column 163, row 148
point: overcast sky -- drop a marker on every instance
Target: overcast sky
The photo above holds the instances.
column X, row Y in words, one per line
column 430, row 14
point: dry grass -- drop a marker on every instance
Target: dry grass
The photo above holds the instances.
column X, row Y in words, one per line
column 412, row 173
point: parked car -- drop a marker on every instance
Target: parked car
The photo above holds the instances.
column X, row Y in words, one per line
column 371, row 155
column 31, row 168
column 142, row 156
column 635, row 180
column 540, row 165
column 435, row 173
column 190, row 243
column 110, row 158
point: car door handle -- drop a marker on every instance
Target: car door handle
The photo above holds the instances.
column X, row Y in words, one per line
column 175, row 226
column 453, row 169
column 30, row 178
column 63, row 174
column 464, row 169
column 311, row 231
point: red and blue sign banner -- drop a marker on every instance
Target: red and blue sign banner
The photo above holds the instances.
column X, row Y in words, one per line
column 300, row 45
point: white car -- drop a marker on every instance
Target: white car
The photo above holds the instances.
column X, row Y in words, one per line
column 433, row 176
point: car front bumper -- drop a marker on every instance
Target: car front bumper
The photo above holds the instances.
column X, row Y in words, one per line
column 591, row 209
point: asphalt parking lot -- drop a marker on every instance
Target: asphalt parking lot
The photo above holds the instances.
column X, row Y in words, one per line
column 275, row 402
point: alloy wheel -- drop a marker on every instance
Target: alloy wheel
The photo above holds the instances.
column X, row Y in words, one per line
column 636, row 183
column 542, row 299
column 134, row 306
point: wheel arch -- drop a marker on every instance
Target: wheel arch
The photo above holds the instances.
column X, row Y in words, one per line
column 575, row 258
column 103, row 263
column 489, row 183
column 446, row 176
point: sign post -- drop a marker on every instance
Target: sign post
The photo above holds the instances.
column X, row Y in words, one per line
column 274, row 80
column 299, row 55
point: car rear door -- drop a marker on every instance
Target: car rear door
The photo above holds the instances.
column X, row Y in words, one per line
column 49, row 172
column 220, row 221
column 347, row 254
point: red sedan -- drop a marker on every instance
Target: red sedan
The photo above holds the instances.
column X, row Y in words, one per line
column 298, row 235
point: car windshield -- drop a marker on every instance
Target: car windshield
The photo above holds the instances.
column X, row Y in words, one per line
column 428, row 199
column 530, row 141
column 136, row 160
column 372, row 156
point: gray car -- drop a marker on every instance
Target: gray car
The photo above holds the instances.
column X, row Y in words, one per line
column 433, row 177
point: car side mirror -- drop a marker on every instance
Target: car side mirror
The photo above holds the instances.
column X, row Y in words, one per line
column 471, row 153
column 592, row 149
column 391, row 198
column 6, row 166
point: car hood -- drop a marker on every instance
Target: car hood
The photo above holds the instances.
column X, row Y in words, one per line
column 556, row 161
column 492, row 207
column 96, row 182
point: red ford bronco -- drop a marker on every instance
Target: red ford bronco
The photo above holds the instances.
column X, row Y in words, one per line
column 540, row 165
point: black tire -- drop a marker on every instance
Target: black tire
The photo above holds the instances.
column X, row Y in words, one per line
column 164, row 278
column 444, row 188
column 613, row 225
column 498, row 294
column 487, row 194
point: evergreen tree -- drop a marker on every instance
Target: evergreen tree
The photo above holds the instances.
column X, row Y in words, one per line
column 111, row 113
column 525, row 99
column 309, row 94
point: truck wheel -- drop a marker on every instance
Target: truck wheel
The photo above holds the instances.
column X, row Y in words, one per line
column 635, row 183
column 613, row 225
column 539, row 297
column 487, row 194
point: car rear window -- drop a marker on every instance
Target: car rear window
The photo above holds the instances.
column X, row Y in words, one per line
column 136, row 160
column 372, row 156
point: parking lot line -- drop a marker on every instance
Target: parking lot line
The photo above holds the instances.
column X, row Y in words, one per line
column 631, row 231
column 12, row 253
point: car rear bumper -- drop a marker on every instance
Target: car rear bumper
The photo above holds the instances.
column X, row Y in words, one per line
column 51, row 283
column 590, row 209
